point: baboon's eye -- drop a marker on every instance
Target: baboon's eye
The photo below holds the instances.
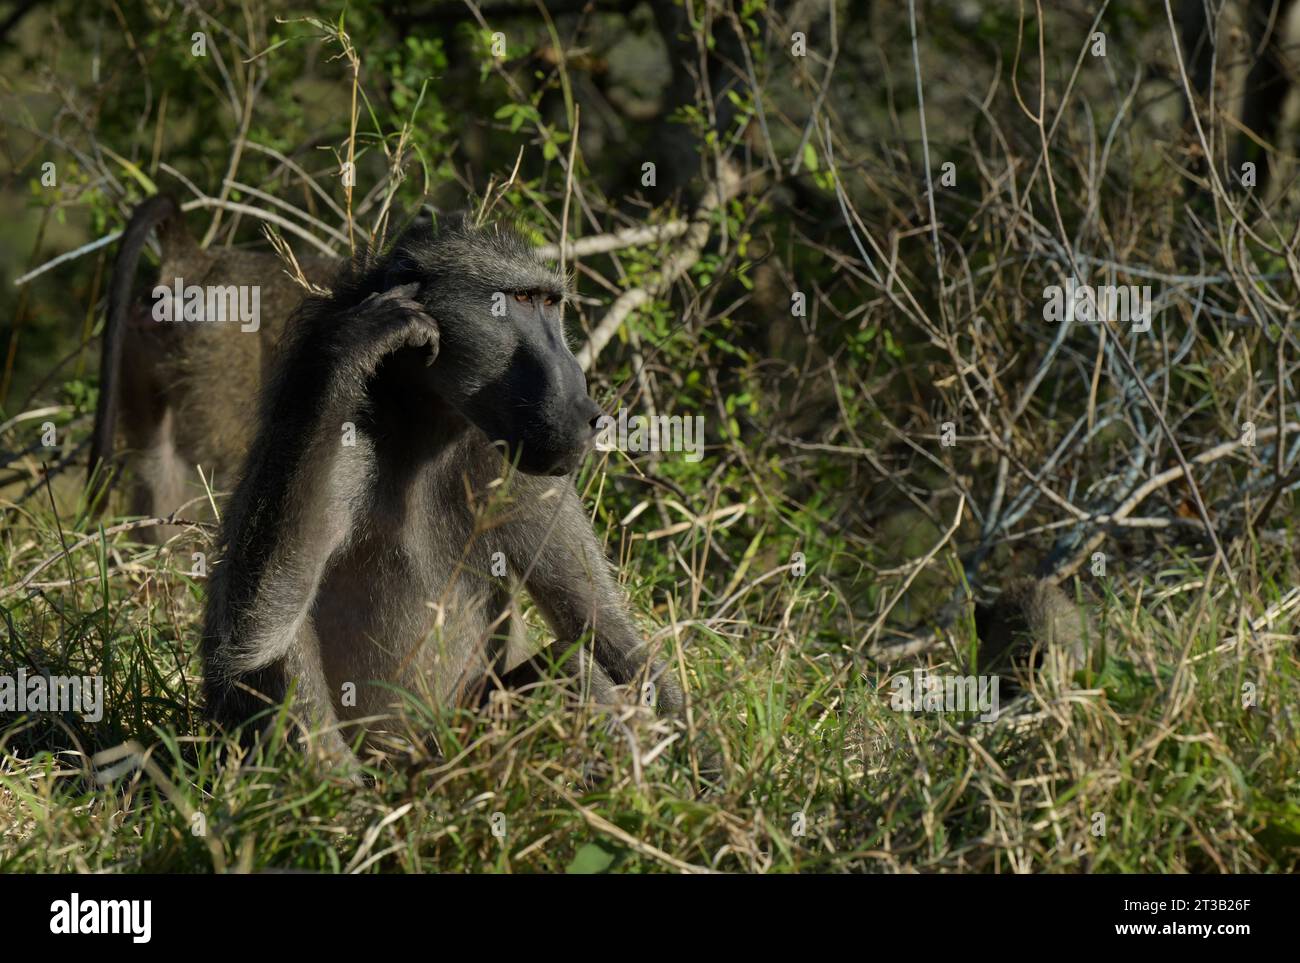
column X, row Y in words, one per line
column 523, row 297
column 552, row 300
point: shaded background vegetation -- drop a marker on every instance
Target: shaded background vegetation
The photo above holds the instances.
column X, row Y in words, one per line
column 923, row 307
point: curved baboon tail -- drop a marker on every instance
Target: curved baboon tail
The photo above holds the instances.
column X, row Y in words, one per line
column 152, row 213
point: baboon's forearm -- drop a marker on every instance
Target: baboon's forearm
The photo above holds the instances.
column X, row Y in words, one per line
column 571, row 582
column 576, row 662
column 285, row 522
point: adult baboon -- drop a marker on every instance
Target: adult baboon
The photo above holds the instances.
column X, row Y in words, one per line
column 357, row 546
column 185, row 389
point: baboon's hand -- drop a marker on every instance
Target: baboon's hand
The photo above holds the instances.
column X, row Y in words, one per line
column 390, row 320
column 423, row 330
column 666, row 694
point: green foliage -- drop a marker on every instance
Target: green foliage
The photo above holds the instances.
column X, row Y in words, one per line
column 819, row 444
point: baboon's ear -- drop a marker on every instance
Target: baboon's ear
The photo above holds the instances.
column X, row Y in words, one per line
column 402, row 269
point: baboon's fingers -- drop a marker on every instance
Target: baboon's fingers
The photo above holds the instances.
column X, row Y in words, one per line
column 668, row 694
column 426, row 338
column 401, row 323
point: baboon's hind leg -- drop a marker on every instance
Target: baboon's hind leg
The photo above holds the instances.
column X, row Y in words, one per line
column 256, row 694
column 160, row 484
column 149, row 423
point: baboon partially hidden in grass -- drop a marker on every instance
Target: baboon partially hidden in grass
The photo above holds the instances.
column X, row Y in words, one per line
column 1032, row 628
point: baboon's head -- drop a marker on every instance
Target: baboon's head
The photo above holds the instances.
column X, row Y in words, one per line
column 503, row 360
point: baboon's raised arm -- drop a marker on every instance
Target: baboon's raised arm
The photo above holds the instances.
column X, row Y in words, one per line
column 298, row 501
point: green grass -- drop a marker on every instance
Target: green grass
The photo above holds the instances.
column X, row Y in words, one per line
column 1177, row 751
column 1151, row 764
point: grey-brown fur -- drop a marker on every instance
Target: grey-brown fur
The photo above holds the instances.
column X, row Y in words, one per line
column 186, row 392
column 1032, row 627
column 365, row 564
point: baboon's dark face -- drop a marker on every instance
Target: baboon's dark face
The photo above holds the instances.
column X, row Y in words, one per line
column 510, row 371
column 505, row 364
column 503, row 361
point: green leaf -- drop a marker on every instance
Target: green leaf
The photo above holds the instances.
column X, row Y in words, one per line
column 591, row 858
